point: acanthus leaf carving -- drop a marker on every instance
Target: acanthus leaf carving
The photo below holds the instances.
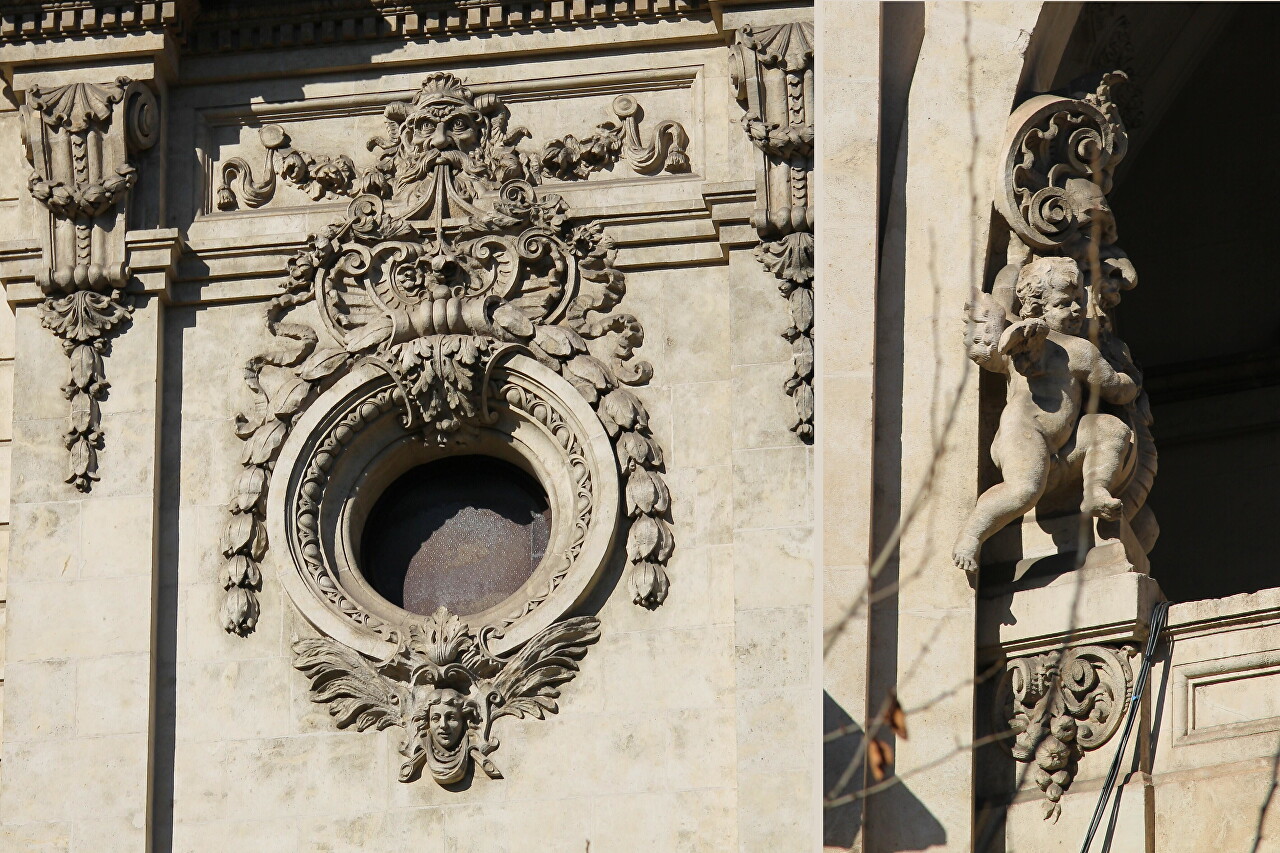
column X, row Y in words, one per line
column 1047, row 323
column 82, row 176
column 569, row 158
column 1061, row 705
column 778, row 119
column 463, row 260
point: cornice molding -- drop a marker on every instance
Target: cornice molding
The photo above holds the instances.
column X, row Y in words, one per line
column 211, row 27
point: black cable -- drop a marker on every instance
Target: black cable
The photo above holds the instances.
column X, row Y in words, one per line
column 1158, row 615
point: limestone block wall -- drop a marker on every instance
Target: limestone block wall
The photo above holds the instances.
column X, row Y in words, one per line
column 10, row 189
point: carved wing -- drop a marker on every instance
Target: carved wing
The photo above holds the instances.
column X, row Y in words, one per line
column 354, row 690
column 985, row 322
column 527, row 683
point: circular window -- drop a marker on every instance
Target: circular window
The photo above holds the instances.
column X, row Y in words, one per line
column 508, row 525
column 462, row 532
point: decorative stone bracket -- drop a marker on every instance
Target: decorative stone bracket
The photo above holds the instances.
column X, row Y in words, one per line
column 567, row 158
column 771, row 72
column 80, row 152
column 1060, row 705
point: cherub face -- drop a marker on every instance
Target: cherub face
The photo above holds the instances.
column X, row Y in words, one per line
column 445, row 720
column 1062, row 309
column 1089, row 205
column 441, row 127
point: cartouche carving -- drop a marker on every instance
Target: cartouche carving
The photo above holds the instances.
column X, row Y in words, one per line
column 464, row 262
column 82, row 175
column 771, row 72
column 445, row 689
column 1048, row 325
column 1061, row 705
column 567, row 158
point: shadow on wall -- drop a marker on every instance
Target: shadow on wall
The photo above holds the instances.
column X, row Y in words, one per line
column 915, row 828
column 842, row 744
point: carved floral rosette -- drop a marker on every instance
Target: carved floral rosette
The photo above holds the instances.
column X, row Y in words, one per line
column 771, row 74
column 1061, row 705
column 80, row 152
column 466, row 313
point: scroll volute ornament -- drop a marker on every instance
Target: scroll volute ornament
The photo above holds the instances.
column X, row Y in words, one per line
column 1047, row 323
column 1061, row 705
column 1058, row 167
column 79, row 138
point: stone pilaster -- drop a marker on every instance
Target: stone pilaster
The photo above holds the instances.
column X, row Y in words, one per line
column 87, row 290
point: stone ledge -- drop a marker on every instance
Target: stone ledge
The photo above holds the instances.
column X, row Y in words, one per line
column 1071, row 609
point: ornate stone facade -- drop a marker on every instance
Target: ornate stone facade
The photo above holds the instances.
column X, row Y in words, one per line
column 338, row 247
column 772, row 78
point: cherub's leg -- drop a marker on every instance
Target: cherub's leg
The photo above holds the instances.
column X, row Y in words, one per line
column 1103, row 441
column 1024, row 458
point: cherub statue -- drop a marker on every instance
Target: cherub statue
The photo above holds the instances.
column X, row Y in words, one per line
column 1046, row 438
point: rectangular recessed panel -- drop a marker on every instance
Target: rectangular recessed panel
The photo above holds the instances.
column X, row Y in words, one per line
column 1243, row 697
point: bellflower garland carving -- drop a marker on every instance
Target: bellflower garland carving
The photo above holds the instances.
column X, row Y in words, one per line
column 771, row 72
column 464, row 262
column 81, row 173
column 1047, row 323
column 1061, row 705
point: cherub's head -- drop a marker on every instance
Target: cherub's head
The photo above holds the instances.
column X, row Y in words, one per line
column 1049, row 288
column 1089, row 208
column 446, row 717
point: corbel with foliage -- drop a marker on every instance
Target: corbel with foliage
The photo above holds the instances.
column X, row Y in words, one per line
column 79, row 140
column 771, row 72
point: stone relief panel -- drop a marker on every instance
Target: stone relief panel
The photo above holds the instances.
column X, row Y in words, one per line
column 1075, row 431
column 771, row 72
column 79, row 139
column 458, row 309
column 628, row 146
column 445, row 688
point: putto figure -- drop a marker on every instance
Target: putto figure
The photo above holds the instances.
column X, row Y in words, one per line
column 1061, row 289
column 1045, row 438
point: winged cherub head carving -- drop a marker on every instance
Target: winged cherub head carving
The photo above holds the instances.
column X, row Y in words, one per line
column 444, row 688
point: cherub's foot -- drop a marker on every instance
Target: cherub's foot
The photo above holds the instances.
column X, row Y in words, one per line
column 965, row 555
column 1100, row 503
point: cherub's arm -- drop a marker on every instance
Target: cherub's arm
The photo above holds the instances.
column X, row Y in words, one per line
column 985, row 323
column 1113, row 386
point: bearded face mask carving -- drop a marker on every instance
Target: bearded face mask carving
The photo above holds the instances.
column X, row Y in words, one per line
column 439, row 128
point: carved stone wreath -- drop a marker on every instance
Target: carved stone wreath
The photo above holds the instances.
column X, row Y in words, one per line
column 460, row 310
column 1060, row 705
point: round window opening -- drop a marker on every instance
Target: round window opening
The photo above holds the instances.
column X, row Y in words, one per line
column 463, row 532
